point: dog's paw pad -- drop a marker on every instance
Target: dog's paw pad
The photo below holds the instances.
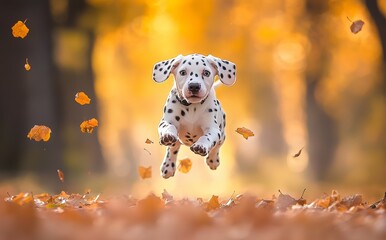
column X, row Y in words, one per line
column 199, row 149
column 168, row 139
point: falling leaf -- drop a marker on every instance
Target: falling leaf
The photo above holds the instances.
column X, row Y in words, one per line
column 185, row 165
column 60, row 175
column 148, row 141
column 39, row 132
column 356, row 26
column 82, row 98
column 88, row 125
column 144, row 172
column 20, row 29
column 213, row 203
column 147, row 151
column 245, row 132
column 298, row 153
column 26, row 65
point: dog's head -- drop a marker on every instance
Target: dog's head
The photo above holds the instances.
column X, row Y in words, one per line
column 195, row 74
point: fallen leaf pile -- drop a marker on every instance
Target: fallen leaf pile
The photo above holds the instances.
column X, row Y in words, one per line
column 244, row 216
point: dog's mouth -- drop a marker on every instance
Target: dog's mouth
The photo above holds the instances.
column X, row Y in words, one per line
column 194, row 98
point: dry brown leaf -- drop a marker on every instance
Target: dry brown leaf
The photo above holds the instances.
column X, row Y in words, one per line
column 185, row 165
column 148, row 141
column 356, row 26
column 60, row 175
column 26, row 65
column 20, row 29
column 298, row 153
column 82, row 98
column 284, row 201
column 245, row 132
column 145, row 172
column 40, row 132
column 88, row 125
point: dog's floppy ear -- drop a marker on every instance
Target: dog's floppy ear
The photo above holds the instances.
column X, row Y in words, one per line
column 162, row 70
column 226, row 70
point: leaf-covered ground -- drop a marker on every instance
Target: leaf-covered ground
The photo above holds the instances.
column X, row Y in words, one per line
column 243, row 216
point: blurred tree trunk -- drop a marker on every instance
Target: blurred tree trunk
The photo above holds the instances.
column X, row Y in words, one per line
column 322, row 135
column 380, row 22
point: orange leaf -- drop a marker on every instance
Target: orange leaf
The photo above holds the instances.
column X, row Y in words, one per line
column 245, row 132
column 185, row 165
column 88, row 125
column 144, row 172
column 213, row 203
column 39, row 132
column 20, row 30
column 26, row 65
column 148, row 141
column 60, row 175
column 82, row 98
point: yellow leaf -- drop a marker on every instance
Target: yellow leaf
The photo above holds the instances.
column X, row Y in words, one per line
column 82, row 98
column 39, row 132
column 245, row 132
column 185, row 165
column 20, row 30
column 144, row 172
column 60, row 175
column 88, row 125
column 26, row 65
column 148, row 141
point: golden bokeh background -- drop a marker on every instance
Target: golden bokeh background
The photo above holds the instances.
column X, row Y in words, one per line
column 303, row 80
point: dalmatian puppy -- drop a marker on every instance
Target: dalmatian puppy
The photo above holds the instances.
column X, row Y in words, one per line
column 192, row 114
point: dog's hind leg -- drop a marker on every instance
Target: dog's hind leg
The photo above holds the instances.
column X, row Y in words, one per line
column 213, row 159
column 168, row 167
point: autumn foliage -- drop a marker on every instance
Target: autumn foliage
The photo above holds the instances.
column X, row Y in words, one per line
column 241, row 216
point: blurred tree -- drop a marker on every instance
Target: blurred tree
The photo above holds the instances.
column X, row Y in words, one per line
column 322, row 130
column 380, row 23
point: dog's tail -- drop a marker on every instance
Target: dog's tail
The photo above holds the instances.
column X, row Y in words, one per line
column 217, row 84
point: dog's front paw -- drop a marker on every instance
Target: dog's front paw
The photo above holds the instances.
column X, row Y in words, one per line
column 199, row 149
column 168, row 139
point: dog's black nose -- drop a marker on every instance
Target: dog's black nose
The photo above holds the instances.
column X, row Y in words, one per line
column 194, row 87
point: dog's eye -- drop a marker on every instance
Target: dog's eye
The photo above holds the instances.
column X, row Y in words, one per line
column 182, row 72
column 206, row 73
